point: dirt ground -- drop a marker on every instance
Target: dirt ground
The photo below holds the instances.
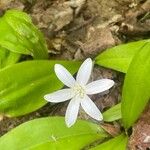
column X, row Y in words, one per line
column 77, row 29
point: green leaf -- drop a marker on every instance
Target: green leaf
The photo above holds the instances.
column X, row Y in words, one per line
column 117, row 143
column 120, row 57
column 19, row 14
column 8, row 39
column 23, row 85
column 51, row 133
column 19, row 35
column 112, row 114
column 8, row 58
column 136, row 89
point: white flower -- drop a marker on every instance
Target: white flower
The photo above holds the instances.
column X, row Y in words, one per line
column 78, row 91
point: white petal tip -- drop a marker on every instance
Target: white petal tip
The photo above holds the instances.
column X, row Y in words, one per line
column 112, row 83
column 56, row 66
column 69, row 124
column 109, row 83
column 46, row 98
column 88, row 60
column 100, row 118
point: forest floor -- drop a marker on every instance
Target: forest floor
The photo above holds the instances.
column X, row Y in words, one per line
column 77, row 29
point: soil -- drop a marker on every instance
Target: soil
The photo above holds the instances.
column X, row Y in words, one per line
column 77, row 29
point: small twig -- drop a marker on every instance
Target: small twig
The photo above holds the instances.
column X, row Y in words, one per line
column 82, row 25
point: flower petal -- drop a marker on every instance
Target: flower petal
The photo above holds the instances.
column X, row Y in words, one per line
column 72, row 112
column 99, row 86
column 64, row 75
column 59, row 96
column 91, row 109
column 84, row 72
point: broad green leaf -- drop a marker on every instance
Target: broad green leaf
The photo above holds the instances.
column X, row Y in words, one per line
column 11, row 59
column 8, row 58
column 136, row 89
column 19, row 35
column 117, row 143
column 51, row 133
column 120, row 57
column 8, row 39
column 19, row 14
column 23, row 85
column 112, row 114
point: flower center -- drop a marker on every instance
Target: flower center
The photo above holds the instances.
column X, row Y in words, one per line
column 79, row 90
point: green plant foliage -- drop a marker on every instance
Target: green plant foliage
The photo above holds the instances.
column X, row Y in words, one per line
column 136, row 89
column 8, row 58
column 51, row 133
column 117, row 143
column 112, row 114
column 120, row 57
column 19, row 35
column 23, row 85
